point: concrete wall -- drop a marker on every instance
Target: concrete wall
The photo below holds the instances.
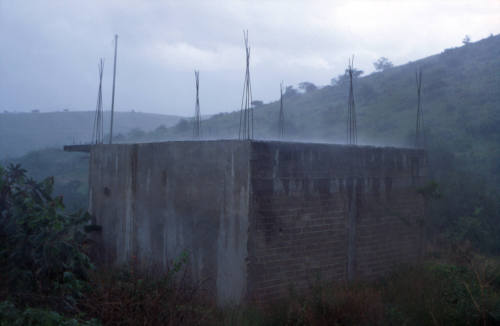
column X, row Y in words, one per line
column 156, row 200
column 258, row 217
column 330, row 212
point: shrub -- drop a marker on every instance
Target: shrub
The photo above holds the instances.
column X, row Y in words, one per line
column 129, row 297
column 42, row 257
column 11, row 316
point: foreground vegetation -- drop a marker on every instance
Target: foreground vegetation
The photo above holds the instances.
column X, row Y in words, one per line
column 48, row 279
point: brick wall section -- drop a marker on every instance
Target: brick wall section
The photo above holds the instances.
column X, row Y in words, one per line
column 330, row 212
column 388, row 232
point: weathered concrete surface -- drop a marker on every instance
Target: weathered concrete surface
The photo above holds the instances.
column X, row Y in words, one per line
column 330, row 212
column 258, row 217
column 155, row 201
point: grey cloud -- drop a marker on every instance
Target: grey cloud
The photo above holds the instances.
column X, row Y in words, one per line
column 49, row 50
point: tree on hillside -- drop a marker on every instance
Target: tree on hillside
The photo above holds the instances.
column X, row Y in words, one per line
column 159, row 132
column 307, row 86
column 355, row 72
column 136, row 134
column 342, row 79
column 382, row 64
column 257, row 103
column 466, row 40
column 290, row 91
column 161, row 129
column 182, row 126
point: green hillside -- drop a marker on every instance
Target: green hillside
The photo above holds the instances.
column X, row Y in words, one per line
column 24, row 132
column 461, row 103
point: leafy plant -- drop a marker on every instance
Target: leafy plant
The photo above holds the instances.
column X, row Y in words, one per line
column 42, row 248
column 10, row 315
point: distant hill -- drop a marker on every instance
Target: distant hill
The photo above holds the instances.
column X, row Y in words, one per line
column 24, row 132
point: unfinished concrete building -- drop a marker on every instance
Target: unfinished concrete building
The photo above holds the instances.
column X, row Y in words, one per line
column 259, row 217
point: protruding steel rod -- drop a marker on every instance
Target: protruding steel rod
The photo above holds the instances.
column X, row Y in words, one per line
column 197, row 116
column 419, row 130
column 281, row 121
column 352, row 131
column 113, row 92
column 246, row 113
column 98, row 130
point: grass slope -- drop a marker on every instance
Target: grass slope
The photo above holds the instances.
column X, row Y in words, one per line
column 461, row 103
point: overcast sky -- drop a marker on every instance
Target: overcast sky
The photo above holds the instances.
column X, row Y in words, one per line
column 49, row 49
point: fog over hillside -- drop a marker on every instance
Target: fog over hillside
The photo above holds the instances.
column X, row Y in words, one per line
column 460, row 100
column 24, row 132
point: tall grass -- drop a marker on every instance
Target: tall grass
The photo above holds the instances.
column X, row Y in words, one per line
column 462, row 291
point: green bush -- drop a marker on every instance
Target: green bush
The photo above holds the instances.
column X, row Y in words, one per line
column 42, row 256
column 128, row 296
column 11, row 316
